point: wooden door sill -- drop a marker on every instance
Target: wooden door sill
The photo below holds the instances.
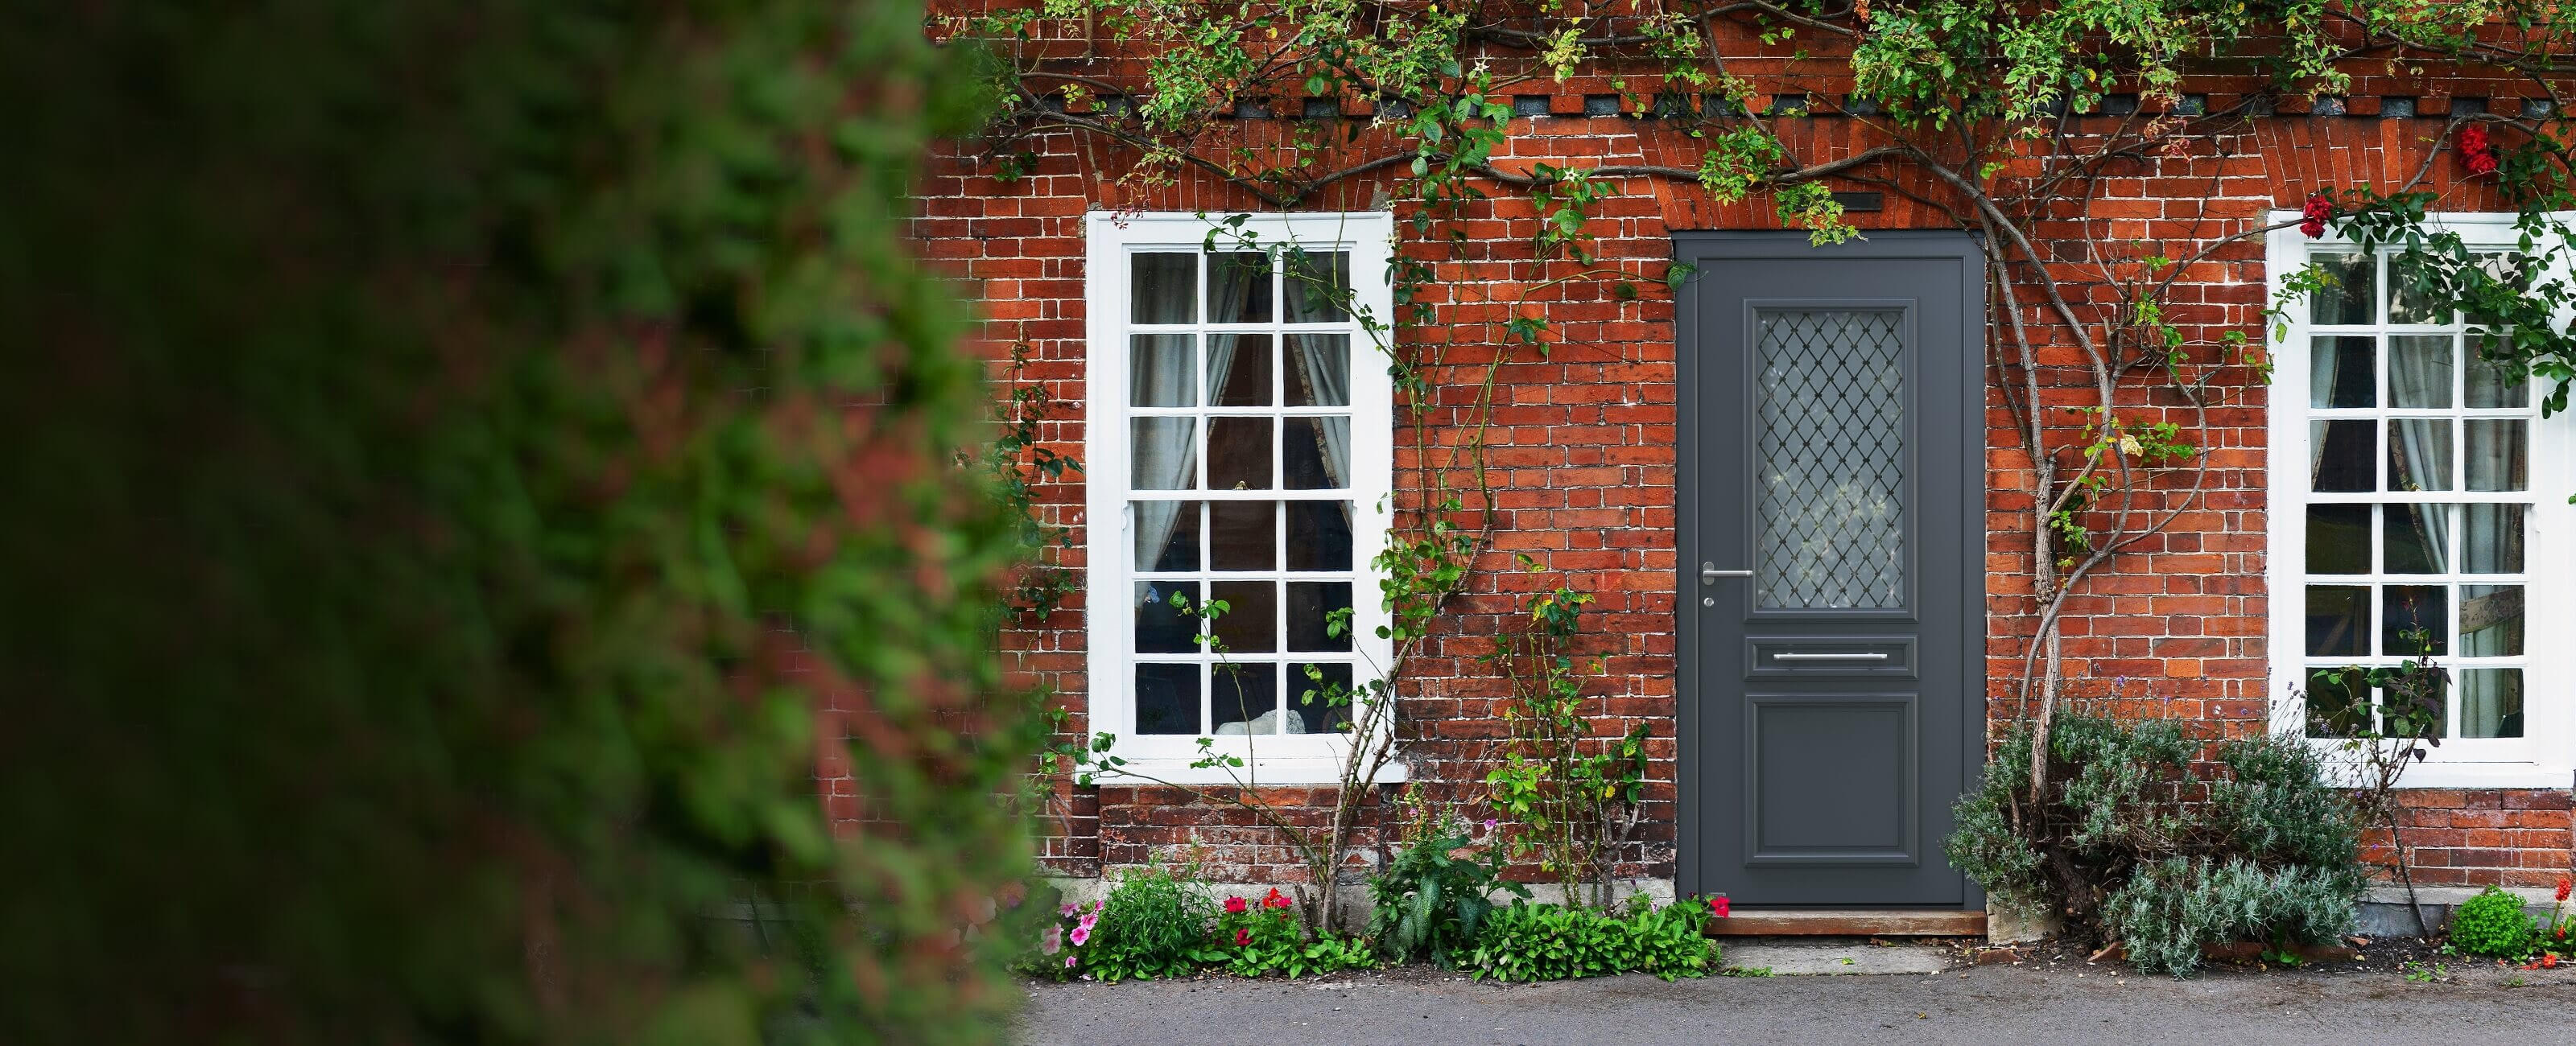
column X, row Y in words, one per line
column 1849, row 922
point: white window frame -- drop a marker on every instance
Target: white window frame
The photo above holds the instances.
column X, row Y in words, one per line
column 1271, row 759
column 2545, row 756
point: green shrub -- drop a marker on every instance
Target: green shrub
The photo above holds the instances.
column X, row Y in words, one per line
column 1431, row 904
column 1546, row 942
column 1154, row 924
column 2493, row 924
column 2138, row 841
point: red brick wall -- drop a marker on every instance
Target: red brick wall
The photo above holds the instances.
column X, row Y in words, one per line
column 1584, row 442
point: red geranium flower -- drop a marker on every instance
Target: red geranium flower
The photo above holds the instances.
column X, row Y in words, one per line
column 1718, row 905
column 2476, row 152
column 1235, row 906
column 1275, row 900
column 2312, row 218
column 2563, row 884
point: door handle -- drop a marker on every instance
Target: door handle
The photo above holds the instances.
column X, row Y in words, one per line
column 1794, row 656
column 1708, row 573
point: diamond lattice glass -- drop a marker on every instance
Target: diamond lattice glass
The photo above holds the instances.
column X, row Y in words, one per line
column 1829, row 499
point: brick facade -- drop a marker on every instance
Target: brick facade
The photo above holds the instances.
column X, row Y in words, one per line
column 1584, row 443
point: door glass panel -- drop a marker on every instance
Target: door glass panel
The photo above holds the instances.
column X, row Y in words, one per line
column 1829, row 466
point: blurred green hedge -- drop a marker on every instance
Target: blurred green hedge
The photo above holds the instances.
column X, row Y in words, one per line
column 437, row 432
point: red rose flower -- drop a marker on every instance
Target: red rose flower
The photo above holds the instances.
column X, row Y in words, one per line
column 1242, row 938
column 2312, row 218
column 2476, row 152
column 1718, row 905
column 1235, row 906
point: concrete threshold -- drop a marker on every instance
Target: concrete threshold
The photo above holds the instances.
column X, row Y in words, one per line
column 1849, row 922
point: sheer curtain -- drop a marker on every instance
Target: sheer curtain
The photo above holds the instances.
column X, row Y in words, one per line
column 2420, row 377
column 1322, row 360
column 1165, row 452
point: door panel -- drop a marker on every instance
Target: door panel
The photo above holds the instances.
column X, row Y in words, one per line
column 1832, row 540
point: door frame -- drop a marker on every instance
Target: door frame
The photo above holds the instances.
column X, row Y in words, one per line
column 1691, row 773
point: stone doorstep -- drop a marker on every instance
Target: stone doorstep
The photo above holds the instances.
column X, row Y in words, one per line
column 1811, row 957
column 1848, row 922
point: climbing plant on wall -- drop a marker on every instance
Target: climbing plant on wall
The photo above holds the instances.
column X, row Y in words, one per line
column 2006, row 120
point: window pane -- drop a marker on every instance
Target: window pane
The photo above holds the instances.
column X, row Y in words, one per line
column 1250, row 623
column 1238, row 453
column 1319, row 706
column 1162, row 287
column 1161, row 456
column 2338, row 703
column 2338, row 539
column 1311, row 606
column 2412, row 705
column 1162, row 628
column 1167, row 535
column 2496, row 459
column 1319, row 535
column 2419, row 370
column 2494, row 384
column 1167, row 699
column 1160, row 370
column 2419, row 454
column 1238, row 370
column 2417, row 538
column 2356, row 285
column 2491, row 539
column 1246, row 698
column 2343, row 371
column 1319, row 370
column 2338, row 620
column 1239, row 288
column 2490, row 620
column 2408, row 303
column 1243, row 535
column 2491, row 702
column 2340, row 454
column 1317, row 453
column 1319, row 286
column 2405, row 611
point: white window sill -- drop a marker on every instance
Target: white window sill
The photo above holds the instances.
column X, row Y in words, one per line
column 2438, row 774
column 1275, row 770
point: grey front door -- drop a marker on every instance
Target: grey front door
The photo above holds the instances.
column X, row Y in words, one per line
column 1832, row 577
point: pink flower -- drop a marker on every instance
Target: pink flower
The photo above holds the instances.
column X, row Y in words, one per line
column 2312, row 218
column 1242, row 938
column 1068, row 962
column 1489, row 824
column 1081, row 935
column 1066, row 911
column 1052, row 941
column 1235, row 906
column 1718, row 905
column 1090, row 919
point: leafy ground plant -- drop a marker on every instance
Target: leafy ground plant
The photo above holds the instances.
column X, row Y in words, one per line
column 1546, row 942
column 1432, row 900
column 2493, row 924
column 1154, row 924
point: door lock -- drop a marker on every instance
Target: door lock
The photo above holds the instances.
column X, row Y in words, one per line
column 1708, row 573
